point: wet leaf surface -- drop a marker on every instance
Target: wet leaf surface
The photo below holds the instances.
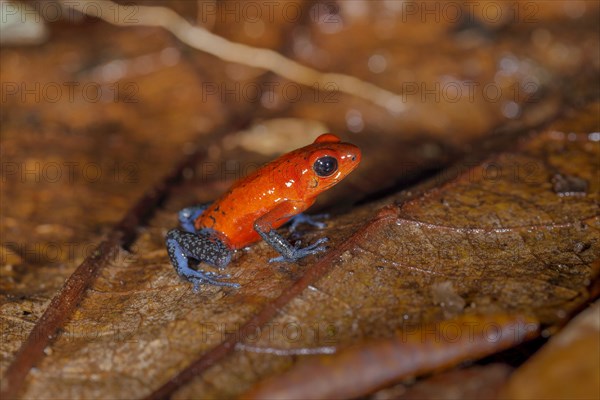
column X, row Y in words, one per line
column 462, row 205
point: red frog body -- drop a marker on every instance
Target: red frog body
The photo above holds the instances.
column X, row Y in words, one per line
column 255, row 206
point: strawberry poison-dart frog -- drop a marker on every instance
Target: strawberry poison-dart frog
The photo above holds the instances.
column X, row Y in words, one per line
column 256, row 206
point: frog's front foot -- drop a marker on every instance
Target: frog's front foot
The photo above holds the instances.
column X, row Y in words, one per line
column 295, row 253
column 201, row 246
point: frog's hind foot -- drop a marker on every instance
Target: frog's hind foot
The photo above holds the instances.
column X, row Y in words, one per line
column 201, row 246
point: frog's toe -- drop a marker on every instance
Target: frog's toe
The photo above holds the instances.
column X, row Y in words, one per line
column 203, row 278
column 317, row 243
column 299, row 253
column 278, row 259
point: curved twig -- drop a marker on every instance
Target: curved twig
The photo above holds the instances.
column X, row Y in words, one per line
column 267, row 59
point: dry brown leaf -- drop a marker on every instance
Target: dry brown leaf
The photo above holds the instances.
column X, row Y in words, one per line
column 493, row 237
column 522, row 242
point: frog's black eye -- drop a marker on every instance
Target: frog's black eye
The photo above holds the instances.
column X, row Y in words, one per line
column 325, row 166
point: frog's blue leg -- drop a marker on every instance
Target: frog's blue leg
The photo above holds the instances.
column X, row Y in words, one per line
column 289, row 253
column 307, row 219
column 202, row 246
column 188, row 215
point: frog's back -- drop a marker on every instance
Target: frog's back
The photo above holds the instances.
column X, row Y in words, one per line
column 233, row 215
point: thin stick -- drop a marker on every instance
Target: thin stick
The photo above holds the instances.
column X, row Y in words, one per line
column 267, row 59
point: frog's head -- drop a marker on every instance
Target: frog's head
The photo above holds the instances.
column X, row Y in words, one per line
column 330, row 161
